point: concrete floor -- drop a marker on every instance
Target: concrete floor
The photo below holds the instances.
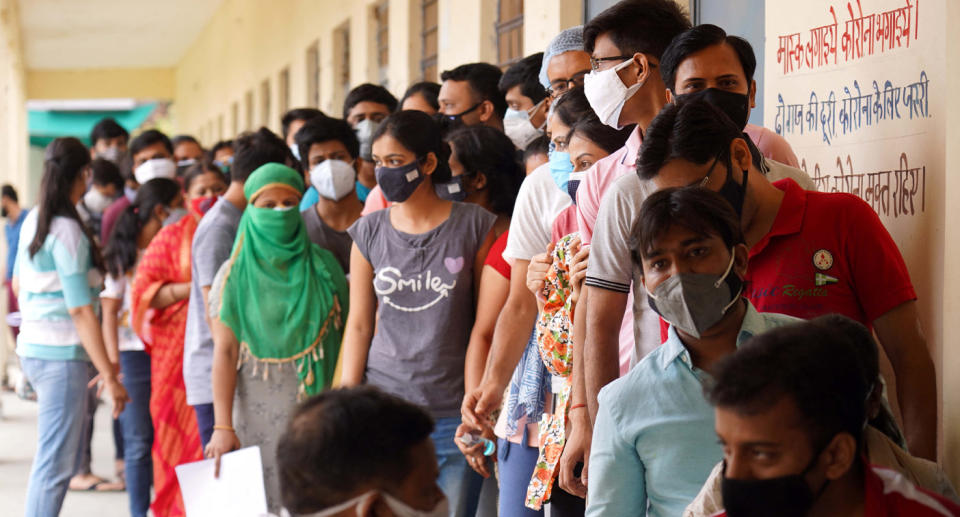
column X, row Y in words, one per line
column 18, row 431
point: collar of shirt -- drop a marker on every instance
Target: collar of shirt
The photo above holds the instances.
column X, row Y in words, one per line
column 673, row 349
column 790, row 216
column 633, row 148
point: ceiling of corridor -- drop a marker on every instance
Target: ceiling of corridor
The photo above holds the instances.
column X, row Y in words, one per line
column 78, row 34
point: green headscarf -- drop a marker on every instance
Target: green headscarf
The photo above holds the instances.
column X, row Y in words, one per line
column 283, row 296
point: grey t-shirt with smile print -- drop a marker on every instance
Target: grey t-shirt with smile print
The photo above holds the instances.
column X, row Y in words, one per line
column 425, row 292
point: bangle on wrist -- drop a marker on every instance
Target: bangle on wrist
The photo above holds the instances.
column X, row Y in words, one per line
column 223, row 428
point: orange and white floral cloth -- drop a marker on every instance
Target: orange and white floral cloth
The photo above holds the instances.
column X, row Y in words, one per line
column 554, row 335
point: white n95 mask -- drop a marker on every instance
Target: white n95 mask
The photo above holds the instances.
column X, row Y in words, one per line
column 155, row 168
column 607, row 94
column 333, row 179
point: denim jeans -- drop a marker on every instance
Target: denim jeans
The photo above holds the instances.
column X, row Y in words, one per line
column 137, row 430
column 62, row 400
column 204, row 414
column 458, row 481
column 516, row 468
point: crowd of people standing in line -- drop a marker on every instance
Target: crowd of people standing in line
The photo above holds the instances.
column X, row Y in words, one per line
column 571, row 277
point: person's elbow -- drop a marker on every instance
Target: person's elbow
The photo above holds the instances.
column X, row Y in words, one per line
column 79, row 311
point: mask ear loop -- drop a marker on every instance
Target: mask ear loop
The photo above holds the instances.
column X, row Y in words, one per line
column 716, row 285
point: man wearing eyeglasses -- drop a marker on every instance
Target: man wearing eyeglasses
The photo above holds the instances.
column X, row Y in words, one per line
column 470, row 95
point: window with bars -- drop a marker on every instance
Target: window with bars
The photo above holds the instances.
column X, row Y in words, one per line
column 283, row 88
column 381, row 14
column 313, row 75
column 342, row 47
column 429, row 40
column 509, row 32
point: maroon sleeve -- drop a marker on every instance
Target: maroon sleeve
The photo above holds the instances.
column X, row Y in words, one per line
column 495, row 256
column 110, row 216
column 880, row 276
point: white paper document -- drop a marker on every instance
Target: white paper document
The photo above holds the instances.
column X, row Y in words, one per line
column 238, row 492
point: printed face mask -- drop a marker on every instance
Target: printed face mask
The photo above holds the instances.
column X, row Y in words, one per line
column 517, row 126
column 96, row 201
column 734, row 105
column 398, row 183
column 607, row 94
column 560, row 168
column 333, row 179
column 574, row 184
column 695, row 302
column 365, row 130
column 452, row 190
column 155, row 168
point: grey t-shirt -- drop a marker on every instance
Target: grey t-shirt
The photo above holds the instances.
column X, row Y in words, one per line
column 338, row 243
column 425, row 289
column 211, row 247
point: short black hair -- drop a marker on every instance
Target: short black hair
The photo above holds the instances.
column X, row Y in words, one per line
column 427, row 90
column 607, row 138
column 539, row 145
column 106, row 172
column 525, row 73
column 695, row 131
column 324, row 130
column 10, row 192
column 199, row 169
column 698, row 38
column 812, row 365
column 223, row 144
column 483, row 79
column 700, row 210
column 107, row 128
column 179, row 139
column 256, row 149
column 148, row 138
column 644, row 26
column 367, row 92
column 297, row 114
column 488, row 150
column 572, row 106
column 343, row 440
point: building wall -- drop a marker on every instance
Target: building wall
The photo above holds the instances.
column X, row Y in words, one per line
column 13, row 112
column 115, row 83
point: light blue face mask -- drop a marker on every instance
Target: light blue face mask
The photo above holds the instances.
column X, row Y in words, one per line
column 560, row 168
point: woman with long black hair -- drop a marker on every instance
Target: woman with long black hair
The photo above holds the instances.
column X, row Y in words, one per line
column 58, row 272
column 130, row 236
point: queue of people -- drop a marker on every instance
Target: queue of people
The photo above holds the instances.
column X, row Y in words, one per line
column 588, row 278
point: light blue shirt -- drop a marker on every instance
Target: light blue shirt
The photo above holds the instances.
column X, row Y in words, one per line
column 310, row 198
column 654, row 443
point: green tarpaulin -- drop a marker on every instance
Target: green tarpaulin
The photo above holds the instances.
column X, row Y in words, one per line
column 44, row 126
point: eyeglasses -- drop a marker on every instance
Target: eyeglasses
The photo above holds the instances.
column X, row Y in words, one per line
column 560, row 86
column 595, row 62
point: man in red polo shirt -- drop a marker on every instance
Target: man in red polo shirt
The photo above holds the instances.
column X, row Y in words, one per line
column 811, row 253
column 791, row 426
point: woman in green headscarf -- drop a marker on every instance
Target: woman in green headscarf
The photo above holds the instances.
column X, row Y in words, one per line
column 277, row 308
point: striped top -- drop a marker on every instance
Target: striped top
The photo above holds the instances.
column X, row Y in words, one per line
column 58, row 278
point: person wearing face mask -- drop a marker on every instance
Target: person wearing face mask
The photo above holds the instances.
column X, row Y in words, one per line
column 210, row 248
column 359, row 452
column 833, row 245
column 132, row 234
column 158, row 315
column 791, row 425
column 526, row 98
column 331, row 149
column 882, row 441
column 651, row 454
column 287, row 343
column 108, row 140
column 106, row 186
column 419, row 261
column 222, row 155
column 290, row 124
column 152, row 157
column 469, row 95
column 186, row 152
column 706, row 63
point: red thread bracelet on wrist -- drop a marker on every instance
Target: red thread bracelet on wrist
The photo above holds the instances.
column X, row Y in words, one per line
column 577, row 406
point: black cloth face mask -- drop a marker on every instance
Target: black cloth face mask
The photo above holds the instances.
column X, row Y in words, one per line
column 734, row 105
column 784, row 496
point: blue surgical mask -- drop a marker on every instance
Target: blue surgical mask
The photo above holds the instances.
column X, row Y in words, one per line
column 560, row 168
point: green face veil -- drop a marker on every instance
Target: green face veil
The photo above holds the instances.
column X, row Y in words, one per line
column 283, row 295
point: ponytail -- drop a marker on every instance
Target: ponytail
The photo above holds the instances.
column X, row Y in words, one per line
column 121, row 250
column 64, row 161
